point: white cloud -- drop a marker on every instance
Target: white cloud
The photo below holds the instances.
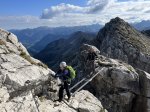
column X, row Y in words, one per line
column 103, row 9
column 94, row 11
column 60, row 9
column 92, row 6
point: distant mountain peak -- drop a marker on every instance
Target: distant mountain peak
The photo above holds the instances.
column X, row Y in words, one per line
column 120, row 40
column 118, row 20
column 117, row 24
column 120, row 30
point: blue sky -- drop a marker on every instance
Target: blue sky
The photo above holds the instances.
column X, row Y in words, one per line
column 19, row 14
column 31, row 7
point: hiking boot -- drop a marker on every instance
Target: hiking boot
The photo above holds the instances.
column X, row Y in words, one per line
column 68, row 99
column 58, row 100
column 56, row 104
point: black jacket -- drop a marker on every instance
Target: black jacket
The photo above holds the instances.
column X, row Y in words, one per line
column 63, row 75
column 91, row 56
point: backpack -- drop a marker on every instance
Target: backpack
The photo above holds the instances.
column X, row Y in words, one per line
column 72, row 72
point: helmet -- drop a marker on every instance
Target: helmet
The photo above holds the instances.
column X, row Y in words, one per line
column 63, row 64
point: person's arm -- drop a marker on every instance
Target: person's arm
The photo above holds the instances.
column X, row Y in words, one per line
column 58, row 73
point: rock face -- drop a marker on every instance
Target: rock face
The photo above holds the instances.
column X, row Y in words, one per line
column 16, row 65
column 143, row 101
column 17, row 68
column 118, row 85
column 119, row 40
column 82, row 102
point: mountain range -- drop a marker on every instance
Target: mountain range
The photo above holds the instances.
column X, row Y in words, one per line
column 64, row 49
column 143, row 25
column 41, row 44
column 29, row 37
column 36, row 39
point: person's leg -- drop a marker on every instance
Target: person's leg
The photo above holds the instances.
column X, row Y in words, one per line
column 66, row 86
column 93, row 66
column 61, row 91
column 90, row 70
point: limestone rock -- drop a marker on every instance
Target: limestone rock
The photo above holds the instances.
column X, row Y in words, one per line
column 143, row 100
column 83, row 101
column 118, row 86
column 119, row 40
column 16, row 67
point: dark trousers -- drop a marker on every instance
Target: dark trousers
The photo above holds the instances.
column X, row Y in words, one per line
column 61, row 91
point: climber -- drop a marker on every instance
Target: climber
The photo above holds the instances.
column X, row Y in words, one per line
column 91, row 59
column 65, row 74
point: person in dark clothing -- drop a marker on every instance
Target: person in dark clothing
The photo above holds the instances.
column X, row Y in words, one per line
column 63, row 75
column 91, row 60
column 61, row 91
column 91, row 55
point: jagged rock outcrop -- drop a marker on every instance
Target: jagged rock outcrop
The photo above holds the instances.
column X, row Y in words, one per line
column 25, row 80
column 118, row 86
column 142, row 101
column 119, row 40
column 16, row 67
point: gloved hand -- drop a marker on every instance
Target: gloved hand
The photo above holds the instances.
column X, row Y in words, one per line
column 53, row 74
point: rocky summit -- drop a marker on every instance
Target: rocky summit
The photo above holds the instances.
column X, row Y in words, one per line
column 26, row 84
column 121, row 41
column 118, row 86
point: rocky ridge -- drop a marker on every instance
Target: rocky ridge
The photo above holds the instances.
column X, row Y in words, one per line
column 17, row 68
column 118, row 86
column 121, row 41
